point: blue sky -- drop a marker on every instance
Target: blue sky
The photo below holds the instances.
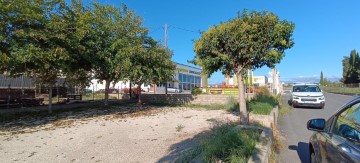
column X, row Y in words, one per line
column 325, row 32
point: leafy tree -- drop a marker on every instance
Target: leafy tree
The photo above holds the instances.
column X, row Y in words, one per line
column 150, row 62
column 29, row 42
column 114, row 32
column 73, row 23
column 249, row 41
column 351, row 68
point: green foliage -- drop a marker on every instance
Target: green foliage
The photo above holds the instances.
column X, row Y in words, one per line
column 341, row 89
column 260, row 108
column 249, row 41
column 263, row 103
column 230, row 144
column 196, row 91
column 29, row 41
column 48, row 39
column 265, row 98
column 232, row 105
column 351, row 68
column 149, row 63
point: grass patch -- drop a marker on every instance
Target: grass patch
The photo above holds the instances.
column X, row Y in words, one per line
column 188, row 156
column 260, row 108
column 179, row 127
column 232, row 105
column 97, row 96
column 341, row 90
column 230, row 144
column 283, row 110
column 263, row 103
column 211, row 120
column 276, row 146
column 264, row 98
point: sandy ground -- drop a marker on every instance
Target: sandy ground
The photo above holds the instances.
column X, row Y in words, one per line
column 159, row 135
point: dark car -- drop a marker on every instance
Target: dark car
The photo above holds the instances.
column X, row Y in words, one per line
column 338, row 138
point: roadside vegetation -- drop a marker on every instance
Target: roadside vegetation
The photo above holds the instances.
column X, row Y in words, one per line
column 225, row 142
column 349, row 84
column 230, row 144
column 262, row 103
column 341, row 89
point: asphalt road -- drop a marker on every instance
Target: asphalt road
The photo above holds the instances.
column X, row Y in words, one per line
column 293, row 127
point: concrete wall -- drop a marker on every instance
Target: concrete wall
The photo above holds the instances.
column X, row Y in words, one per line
column 203, row 99
column 265, row 120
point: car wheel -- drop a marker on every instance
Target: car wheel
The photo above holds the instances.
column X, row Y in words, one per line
column 312, row 157
column 294, row 106
column 289, row 102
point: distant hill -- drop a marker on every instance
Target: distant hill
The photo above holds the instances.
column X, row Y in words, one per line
column 308, row 79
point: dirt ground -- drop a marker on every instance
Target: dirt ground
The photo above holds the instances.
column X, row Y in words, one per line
column 155, row 135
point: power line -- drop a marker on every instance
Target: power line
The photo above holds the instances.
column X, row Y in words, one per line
column 184, row 29
column 156, row 30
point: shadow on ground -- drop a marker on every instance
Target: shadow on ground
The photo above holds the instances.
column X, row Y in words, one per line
column 16, row 122
column 302, row 150
column 186, row 150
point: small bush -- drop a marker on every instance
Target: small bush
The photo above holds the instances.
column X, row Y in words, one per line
column 232, row 105
column 264, row 98
column 196, row 91
column 260, row 108
column 230, row 144
column 263, row 90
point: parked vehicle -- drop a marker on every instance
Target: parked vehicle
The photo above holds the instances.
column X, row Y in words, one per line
column 174, row 90
column 338, row 138
column 309, row 95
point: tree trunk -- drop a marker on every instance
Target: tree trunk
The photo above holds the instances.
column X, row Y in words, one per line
column 154, row 86
column 242, row 102
column 107, row 85
column 130, row 90
column 139, row 94
column 50, row 100
column 166, row 88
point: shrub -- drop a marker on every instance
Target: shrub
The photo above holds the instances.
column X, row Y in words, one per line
column 232, row 105
column 230, row 144
column 196, row 91
column 260, row 108
column 265, row 98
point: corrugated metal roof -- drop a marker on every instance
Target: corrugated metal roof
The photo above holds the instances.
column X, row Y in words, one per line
column 21, row 82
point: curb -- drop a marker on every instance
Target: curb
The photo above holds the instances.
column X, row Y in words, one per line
column 263, row 147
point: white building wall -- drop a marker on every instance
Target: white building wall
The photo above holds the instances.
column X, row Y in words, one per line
column 180, row 68
column 96, row 86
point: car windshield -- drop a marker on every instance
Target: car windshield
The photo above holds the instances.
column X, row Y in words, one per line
column 306, row 88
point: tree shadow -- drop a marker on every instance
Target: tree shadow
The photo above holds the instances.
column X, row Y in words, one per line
column 302, row 150
column 16, row 121
column 186, row 150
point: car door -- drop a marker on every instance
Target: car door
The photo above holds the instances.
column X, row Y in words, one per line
column 324, row 137
column 342, row 143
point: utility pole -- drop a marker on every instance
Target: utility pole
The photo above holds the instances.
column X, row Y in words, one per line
column 165, row 42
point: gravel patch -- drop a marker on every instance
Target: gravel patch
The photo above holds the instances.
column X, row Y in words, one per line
column 124, row 134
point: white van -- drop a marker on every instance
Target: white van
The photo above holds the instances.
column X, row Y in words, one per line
column 309, row 95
